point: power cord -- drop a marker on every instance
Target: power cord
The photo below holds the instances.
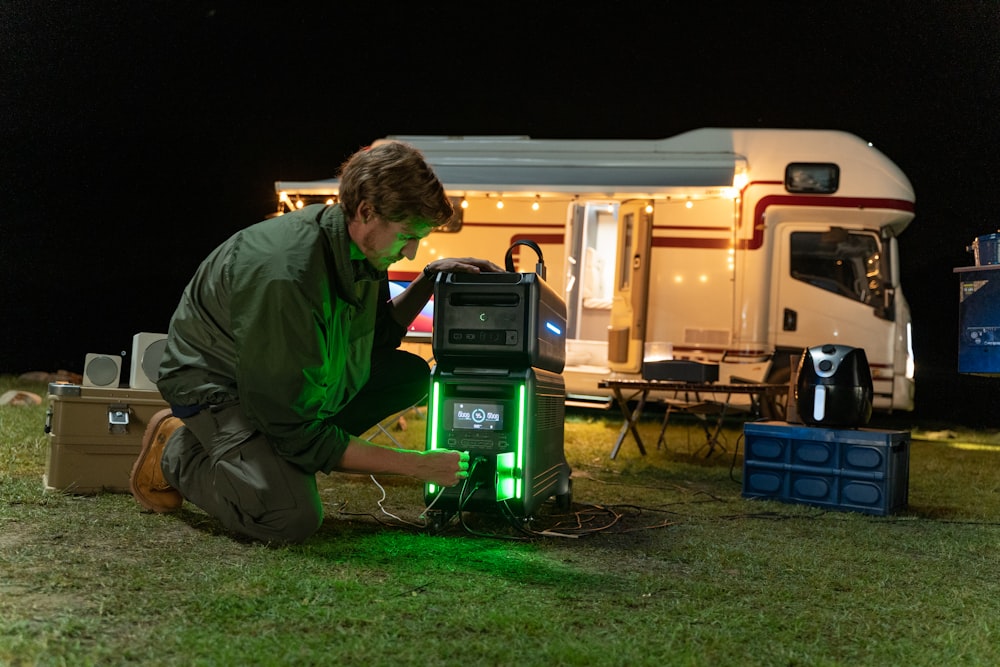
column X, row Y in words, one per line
column 509, row 257
column 423, row 514
column 586, row 519
column 736, row 453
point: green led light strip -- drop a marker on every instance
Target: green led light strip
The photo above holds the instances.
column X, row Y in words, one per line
column 506, row 476
column 432, row 429
column 511, row 464
column 521, row 431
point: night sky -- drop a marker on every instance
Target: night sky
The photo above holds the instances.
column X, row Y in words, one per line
column 138, row 135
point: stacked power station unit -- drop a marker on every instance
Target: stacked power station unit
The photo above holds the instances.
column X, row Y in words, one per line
column 497, row 392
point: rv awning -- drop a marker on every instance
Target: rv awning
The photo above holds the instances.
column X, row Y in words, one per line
column 321, row 188
column 580, row 165
column 606, row 177
column 531, row 176
column 522, row 164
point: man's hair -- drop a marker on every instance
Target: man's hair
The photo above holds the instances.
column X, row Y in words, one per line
column 397, row 182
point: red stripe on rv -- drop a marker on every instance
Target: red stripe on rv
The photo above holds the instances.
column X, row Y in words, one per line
column 757, row 240
column 828, row 202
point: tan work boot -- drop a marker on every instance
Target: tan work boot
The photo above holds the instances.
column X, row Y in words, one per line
column 146, row 481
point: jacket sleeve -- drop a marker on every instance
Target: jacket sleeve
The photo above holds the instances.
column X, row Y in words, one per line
column 388, row 332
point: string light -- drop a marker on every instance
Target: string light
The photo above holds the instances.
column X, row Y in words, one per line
column 534, row 204
column 500, row 200
column 465, row 202
column 649, row 207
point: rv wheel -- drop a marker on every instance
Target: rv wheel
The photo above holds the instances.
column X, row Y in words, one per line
column 776, row 407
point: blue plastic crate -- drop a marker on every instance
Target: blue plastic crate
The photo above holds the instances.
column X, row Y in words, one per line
column 862, row 470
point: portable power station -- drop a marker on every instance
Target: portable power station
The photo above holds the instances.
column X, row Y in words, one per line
column 496, row 391
column 511, row 421
column 506, row 320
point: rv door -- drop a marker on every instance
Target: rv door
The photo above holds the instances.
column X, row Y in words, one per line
column 832, row 286
column 627, row 331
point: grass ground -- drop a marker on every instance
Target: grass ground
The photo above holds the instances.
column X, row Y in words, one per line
column 665, row 564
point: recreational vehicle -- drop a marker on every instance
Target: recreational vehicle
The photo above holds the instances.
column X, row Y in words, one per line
column 736, row 247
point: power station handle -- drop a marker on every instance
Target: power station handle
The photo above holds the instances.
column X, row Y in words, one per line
column 509, row 258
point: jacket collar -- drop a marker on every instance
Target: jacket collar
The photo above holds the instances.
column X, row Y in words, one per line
column 350, row 264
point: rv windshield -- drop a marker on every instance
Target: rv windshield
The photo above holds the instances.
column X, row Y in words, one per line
column 839, row 261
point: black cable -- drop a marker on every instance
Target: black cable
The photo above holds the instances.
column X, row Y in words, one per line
column 732, row 466
column 509, row 257
column 462, row 501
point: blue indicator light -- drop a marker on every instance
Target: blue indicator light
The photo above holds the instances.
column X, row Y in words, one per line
column 553, row 328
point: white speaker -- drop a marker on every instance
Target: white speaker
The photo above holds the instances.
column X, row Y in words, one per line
column 147, row 350
column 102, row 370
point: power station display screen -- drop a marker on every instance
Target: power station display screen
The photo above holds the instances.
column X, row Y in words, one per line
column 475, row 416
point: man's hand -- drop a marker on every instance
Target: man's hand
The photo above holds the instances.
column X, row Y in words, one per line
column 443, row 467
column 462, row 265
column 416, row 295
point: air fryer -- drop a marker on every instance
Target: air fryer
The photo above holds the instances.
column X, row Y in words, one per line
column 834, row 386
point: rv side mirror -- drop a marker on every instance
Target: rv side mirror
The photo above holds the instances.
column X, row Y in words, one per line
column 891, row 246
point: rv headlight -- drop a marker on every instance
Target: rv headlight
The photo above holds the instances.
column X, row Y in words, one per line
column 910, row 362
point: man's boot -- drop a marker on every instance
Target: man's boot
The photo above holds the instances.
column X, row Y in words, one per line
column 148, row 486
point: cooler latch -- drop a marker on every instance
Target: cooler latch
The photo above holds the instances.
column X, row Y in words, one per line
column 118, row 416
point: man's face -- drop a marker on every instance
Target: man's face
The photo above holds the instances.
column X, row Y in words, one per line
column 384, row 243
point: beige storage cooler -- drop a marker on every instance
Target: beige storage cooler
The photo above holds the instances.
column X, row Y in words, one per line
column 94, row 436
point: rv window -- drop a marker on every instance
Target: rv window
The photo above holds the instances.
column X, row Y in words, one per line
column 455, row 223
column 818, row 177
column 842, row 262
